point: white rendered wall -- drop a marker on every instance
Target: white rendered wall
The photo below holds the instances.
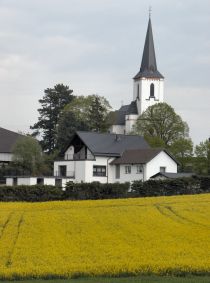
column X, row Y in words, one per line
column 161, row 160
column 6, row 157
column 27, row 181
column 134, row 176
column 144, row 100
column 49, row 181
column 69, row 153
column 9, row 181
column 117, row 129
column 80, row 171
column 130, row 120
column 100, row 161
column 70, row 166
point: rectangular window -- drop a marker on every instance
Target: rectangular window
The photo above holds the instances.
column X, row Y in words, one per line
column 99, row 171
column 139, row 169
column 62, row 171
column 127, row 169
column 162, row 169
column 117, row 172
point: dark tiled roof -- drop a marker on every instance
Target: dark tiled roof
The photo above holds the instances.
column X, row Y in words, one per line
column 148, row 64
column 138, row 156
column 7, row 140
column 119, row 115
column 111, row 144
column 173, row 175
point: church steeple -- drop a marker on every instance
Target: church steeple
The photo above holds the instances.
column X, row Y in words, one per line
column 148, row 67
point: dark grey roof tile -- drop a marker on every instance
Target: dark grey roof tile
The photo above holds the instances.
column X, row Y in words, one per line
column 8, row 140
column 111, row 144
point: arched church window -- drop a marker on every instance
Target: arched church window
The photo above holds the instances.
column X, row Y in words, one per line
column 138, row 91
column 152, row 90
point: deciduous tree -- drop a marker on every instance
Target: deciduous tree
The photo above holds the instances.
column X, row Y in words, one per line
column 84, row 113
column 160, row 121
column 202, row 159
column 27, row 155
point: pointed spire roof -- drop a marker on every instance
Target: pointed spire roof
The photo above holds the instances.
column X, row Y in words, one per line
column 148, row 67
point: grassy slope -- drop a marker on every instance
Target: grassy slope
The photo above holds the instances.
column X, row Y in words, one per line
column 167, row 235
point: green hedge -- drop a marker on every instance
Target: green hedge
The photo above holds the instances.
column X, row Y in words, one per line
column 30, row 193
column 169, row 187
column 95, row 190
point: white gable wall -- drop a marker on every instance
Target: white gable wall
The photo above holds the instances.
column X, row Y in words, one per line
column 161, row 160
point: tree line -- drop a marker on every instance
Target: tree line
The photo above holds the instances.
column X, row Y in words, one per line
column 61, row 113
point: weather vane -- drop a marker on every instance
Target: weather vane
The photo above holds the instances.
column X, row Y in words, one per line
column 150, row 11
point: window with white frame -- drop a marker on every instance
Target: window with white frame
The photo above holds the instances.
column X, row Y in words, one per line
column 162, row 169
column 99, row 171
column 127, row 169
column 139, row 169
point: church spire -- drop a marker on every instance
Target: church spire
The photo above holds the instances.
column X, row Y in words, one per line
column 148, row 67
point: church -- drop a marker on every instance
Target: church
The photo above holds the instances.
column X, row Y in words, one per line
column 148, row 89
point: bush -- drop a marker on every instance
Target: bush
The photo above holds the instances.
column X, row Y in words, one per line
column 30, row 193
column 95, row 190
column 169, row 187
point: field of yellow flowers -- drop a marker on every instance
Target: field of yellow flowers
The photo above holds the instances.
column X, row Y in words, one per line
column 163, row 235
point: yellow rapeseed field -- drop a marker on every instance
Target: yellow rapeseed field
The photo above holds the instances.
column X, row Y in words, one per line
column 163, row 235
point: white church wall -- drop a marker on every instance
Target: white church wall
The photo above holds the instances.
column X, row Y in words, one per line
column 145, row 100
column 130, row 120
column 117, row 129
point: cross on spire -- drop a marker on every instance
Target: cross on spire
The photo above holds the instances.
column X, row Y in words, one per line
column 150, row 11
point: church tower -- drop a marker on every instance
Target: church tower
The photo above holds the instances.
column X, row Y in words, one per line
column 148, row 84
column 148, row 87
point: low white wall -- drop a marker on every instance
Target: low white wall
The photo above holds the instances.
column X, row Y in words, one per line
column 49, row 181
column 9, row 181
column 27, row 181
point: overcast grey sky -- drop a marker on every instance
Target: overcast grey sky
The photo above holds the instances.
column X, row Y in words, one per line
column 95, row 47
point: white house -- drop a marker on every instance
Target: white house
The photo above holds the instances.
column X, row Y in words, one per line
column 148, row 89
column 110, row 158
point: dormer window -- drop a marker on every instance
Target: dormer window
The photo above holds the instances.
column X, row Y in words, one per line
column 152, row 90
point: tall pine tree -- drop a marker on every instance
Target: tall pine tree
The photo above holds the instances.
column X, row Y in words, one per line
column 53, row 102
column 98, row 114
